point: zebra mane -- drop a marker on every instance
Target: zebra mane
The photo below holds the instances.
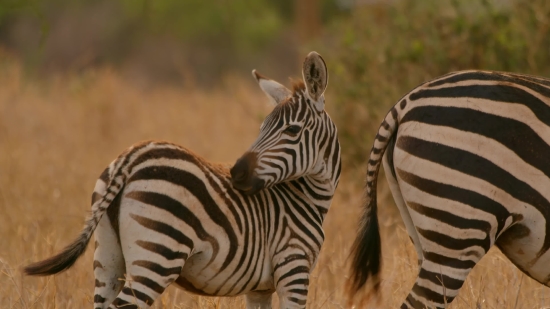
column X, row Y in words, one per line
column 298, row 86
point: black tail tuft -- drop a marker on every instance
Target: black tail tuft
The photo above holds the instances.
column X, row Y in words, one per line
column 366, row 250
column 59, row 262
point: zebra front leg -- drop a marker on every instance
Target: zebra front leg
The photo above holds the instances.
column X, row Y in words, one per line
column 259, row 300
column 291, row 277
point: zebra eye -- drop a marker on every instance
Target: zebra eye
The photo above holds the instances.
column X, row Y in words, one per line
column 292, row 129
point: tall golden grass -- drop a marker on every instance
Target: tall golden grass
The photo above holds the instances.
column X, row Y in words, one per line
column 57, row 135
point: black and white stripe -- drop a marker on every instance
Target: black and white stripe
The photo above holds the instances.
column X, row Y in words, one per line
column 467, row 161
column 173, row 217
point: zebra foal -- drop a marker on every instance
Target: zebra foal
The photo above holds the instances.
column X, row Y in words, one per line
column 467, row 160
column 164, row 215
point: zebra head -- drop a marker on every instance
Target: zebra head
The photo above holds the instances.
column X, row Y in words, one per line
column 297, row 139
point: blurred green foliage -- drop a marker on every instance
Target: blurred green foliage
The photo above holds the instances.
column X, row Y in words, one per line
column 118, row 28
column 245, row 24
column 189, row 20
column 163, row 37
column 10, row 9
column 383, row 51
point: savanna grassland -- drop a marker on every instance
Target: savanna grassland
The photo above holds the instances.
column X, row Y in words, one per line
column 57, row 135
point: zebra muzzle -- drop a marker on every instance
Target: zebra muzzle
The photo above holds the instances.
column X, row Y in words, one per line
column 243, row 177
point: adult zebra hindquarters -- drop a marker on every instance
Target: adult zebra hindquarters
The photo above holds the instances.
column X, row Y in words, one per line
column 468, row 170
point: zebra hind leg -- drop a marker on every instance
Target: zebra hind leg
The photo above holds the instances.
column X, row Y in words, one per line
column 108, row 258
column 400, row 202
column 153, row 262
column 108, row 265
column 259, row 300
column 438, row 284
column 140, row 289
column 150, row 268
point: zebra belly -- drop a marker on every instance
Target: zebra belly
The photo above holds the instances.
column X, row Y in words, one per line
column 234, row 280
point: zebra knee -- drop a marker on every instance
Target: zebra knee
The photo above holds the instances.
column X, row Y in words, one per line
column 98, row 300
column 436, row 296
column 101, row 300
column 294, row 293
column 121, row 303
column 132, row 298
column 412, row 303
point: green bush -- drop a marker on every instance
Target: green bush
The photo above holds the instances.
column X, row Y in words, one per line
column 383, row 51
column 164, row 37
column 242, row 24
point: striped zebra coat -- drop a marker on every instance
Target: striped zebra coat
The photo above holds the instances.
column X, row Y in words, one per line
column 467, row 161
column 164, row 215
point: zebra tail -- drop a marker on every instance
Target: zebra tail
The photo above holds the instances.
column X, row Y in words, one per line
column 366, row 250
column 68, row 256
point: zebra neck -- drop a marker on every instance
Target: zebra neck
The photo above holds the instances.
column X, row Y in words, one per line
column 319, row 192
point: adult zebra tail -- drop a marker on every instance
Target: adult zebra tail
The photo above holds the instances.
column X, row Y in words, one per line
column 366, row 250
column 68, row 256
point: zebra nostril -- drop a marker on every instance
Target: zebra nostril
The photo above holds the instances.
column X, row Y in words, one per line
column 239, row 175
column 243, row 168
column 239, row 171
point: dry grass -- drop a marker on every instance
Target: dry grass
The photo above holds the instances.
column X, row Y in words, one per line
column 56, row 136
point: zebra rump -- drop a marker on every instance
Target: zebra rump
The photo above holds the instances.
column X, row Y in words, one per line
column 466, row 159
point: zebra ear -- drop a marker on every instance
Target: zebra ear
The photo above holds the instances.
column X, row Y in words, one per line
column 276, row 92
column 315, row 76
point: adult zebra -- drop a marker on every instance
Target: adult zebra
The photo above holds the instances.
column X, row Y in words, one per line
column 174, row 217
column 467, row 164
